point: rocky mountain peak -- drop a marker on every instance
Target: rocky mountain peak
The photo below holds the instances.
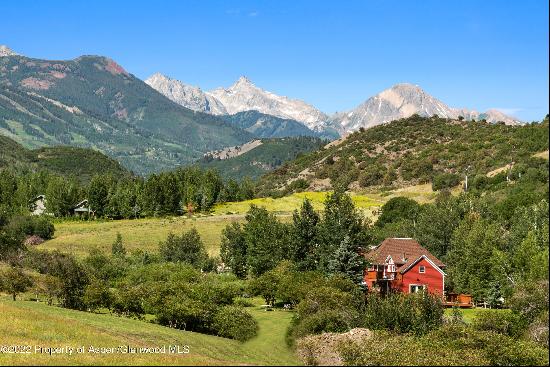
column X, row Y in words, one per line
column 242, row 83
column 403, row 100
column 243, row 95
column 186, row 95
column 6, row 51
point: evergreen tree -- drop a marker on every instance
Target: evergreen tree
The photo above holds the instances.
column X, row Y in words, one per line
column 347, row 262
column 341, row 219
column 117, row 249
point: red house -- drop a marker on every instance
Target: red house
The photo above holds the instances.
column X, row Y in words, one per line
column 402, row 264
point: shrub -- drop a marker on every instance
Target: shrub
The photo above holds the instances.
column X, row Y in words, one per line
column 243, row 302
column 128, row 301
column 452, row 345
column 499, row 321
column 29, row 226
column 445, row 181
column 182, row 312
column 97, row 295
column 538, row 330
column 404, row 313
column 530, row 300
column 324, row 309
column 372, row 175
column 235, row 323
column 14, row 281
column 185, row 248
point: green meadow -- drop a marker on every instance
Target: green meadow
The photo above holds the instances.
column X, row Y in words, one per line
column 78, row 237
column 37, row 324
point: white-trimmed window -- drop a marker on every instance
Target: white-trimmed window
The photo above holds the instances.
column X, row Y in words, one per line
column 421, row 269
column 415, row 288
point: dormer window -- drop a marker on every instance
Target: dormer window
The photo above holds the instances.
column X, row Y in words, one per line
column 422, row 269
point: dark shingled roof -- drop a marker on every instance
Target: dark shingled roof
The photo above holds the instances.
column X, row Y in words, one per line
column 399, row 248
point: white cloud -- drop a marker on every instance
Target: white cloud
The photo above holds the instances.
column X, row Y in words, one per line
column 253, row 14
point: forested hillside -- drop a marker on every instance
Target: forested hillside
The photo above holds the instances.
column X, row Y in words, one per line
column 93, row 102
column 63, row 160
column 266, row 157
column 411, row 151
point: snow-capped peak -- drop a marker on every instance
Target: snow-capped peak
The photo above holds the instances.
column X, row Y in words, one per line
column 243, row 95
column 186, row 95
column 242, row 81
column 403, row 100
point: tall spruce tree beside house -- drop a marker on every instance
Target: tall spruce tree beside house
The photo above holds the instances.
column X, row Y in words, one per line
column 347, row 261
column 341, row 219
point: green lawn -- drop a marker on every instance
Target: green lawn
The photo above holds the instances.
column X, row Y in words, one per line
column 36, row 324
column 469, row 314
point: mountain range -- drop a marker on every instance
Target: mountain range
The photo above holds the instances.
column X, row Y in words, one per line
column 400, row 101
column 162, row 123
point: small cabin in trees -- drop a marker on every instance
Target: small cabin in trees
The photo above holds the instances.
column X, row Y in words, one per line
column 37, row 205
column 82, row 209
column 403, row 265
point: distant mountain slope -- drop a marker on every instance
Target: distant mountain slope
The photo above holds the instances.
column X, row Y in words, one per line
column 404, row 100
column 79, row 162
column 264, row 157
column 93, row 102
column 410, row 151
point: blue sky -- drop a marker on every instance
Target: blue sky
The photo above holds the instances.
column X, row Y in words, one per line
column 334, row 54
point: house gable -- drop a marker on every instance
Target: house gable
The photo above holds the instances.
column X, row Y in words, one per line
column 431, row 279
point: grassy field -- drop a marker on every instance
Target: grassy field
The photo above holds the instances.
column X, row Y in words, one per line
column 36, row 324
column 77, row 237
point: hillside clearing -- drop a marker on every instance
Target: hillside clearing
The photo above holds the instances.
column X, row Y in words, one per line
column 287, row 204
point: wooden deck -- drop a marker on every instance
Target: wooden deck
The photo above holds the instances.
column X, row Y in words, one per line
column 459, row 305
